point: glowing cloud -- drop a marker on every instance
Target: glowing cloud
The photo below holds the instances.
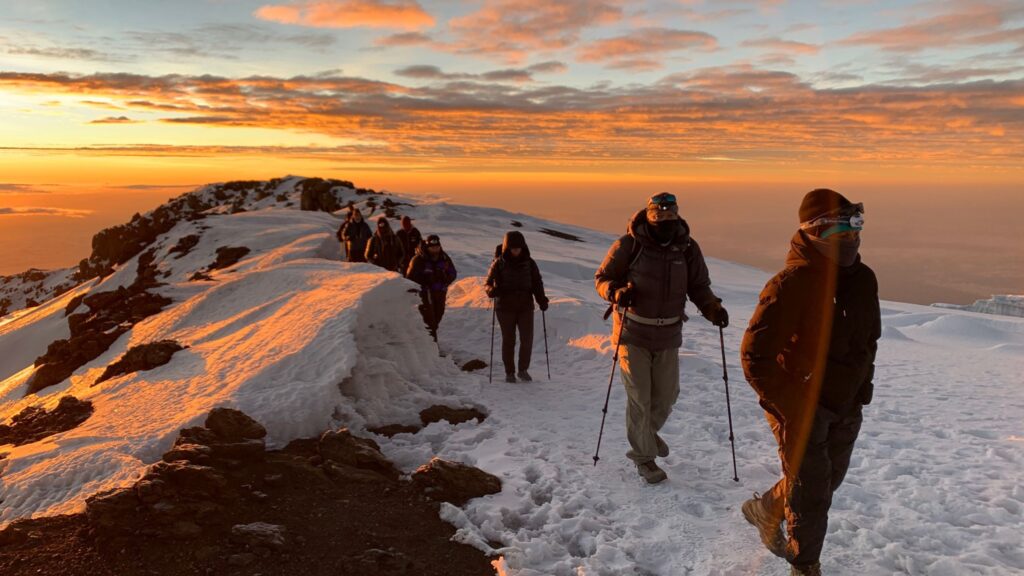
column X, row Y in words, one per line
column 401, row 14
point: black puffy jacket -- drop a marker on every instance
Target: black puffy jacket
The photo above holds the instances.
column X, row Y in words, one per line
column 516, row 282
column 813, row 336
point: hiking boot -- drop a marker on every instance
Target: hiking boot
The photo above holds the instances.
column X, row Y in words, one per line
column 510, row 378
column 525, row 376
column 651, row 472
column 770, row 528
column 807, row 570
column 662, row 447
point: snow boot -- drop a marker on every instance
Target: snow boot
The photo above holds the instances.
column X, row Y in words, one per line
column 510, row 378
column 807, row 570
column 525, row 376
column 651, row 472
column 770, row 528
column 662, row 447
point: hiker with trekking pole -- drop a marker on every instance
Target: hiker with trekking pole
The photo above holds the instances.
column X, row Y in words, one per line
column 514, row 282
column 647, row 276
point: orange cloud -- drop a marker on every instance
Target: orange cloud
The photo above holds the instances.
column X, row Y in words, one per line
column 783, row 46
column 402, row 14
column 511, row 29
column 637, row 49
column 968, row 24
column 114, row 120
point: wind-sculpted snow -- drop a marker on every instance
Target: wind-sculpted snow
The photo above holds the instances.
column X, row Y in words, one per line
column 303, row 342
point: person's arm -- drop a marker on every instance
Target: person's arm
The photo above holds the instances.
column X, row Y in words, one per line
column 371, row 250
column 611, row 275
column 415, row 270
column 773, row 323
column 698, row 282
column 452, row 272
column 491, row 282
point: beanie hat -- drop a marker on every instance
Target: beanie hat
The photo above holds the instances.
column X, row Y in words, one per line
column 406, row 223
column 821, row 202
column 662, row 207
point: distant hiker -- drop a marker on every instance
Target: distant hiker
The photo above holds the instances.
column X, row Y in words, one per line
column 384, row 249
column 809, row 354
column 514, row 282
column 410, row 238
column 434, row 271
column 648, row 275
column 355, row 234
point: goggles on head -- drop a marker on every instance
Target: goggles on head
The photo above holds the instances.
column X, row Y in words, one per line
column 664, row 201
column 851, row 216
column 433, row 241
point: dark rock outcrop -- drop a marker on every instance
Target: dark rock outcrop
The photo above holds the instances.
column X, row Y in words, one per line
column 185, row 245
column 234, row 426
column 317, row 194
column 341, row 447
column 452, row 415
column 473, row 365
column 392, row 430
column 142, row 357
column 34, row 423
column 454, row 482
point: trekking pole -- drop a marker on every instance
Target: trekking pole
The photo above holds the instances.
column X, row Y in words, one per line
column 494, row 314
column 544, row 320
column 728, row 406
column 607, row 397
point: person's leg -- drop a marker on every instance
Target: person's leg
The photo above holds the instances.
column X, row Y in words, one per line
column 664, row 391
column 635, row 364
column 810, row 495
column 774, row 500
column 507, row 321
column 439, row 307
column 525, row 320
column 841, row 439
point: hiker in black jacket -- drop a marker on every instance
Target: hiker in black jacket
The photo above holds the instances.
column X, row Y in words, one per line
column 384, row 249
column 514, row 282
column 411, row 239
column 354, row 234
column 809, row 353
column 434, row 271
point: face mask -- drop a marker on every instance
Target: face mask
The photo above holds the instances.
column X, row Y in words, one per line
column 665, row 231
column 842, row 249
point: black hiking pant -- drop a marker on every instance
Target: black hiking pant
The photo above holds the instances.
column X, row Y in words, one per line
column 511, row 321
column 812, row 470
column 432, row 309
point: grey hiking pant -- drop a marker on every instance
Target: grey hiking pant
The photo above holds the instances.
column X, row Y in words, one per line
column 812, row 470
column 652, row 386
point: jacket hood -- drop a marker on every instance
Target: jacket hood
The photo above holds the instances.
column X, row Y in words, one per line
column 803, row 254
column 387, row 227
column 514, row 239
column 421, row 251
column 637, row 228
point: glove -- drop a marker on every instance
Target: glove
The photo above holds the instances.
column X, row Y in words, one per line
column 624, row 296
column 491, row 291
column 716, row 314
column 543, row 303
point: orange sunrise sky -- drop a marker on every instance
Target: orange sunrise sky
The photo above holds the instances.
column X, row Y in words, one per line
column 575, row 109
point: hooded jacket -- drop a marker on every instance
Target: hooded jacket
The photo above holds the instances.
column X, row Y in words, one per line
column 663, row 277
column 384, row 249
column 431, row 275
column 516, row 281
column 355, row 235
column 813, row 336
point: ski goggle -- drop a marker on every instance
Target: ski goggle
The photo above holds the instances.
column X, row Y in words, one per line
column 433, row 241
column 664, row 201
column 850, row 218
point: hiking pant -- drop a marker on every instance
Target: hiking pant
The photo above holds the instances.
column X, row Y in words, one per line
column 432, row 309
column 652, row 386
column 812, row 471
column 511, row 321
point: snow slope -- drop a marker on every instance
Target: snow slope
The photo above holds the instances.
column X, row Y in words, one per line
column 1002, row 304
column 303, row 342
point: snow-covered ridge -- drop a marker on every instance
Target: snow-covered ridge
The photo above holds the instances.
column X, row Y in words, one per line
column 1002, row 305
column 302, row 342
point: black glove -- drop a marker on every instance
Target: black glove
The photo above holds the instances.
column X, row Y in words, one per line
column 716, row 314
column 543, row 303
column 624, row 296
column 491, row 291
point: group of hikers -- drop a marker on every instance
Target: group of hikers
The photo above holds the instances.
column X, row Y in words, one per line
column 808, row 351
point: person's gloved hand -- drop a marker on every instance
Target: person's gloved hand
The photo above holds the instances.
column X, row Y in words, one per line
column 491, row 291
column 716, row 314
column 543, row 304
column 624, row 296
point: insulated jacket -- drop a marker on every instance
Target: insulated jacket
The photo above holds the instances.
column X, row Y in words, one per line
column 813, row 336
column 516, row 282
column 411, row 241
column 385, row 250
column 663, row 277
column 431, row 275
column 355, row 235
